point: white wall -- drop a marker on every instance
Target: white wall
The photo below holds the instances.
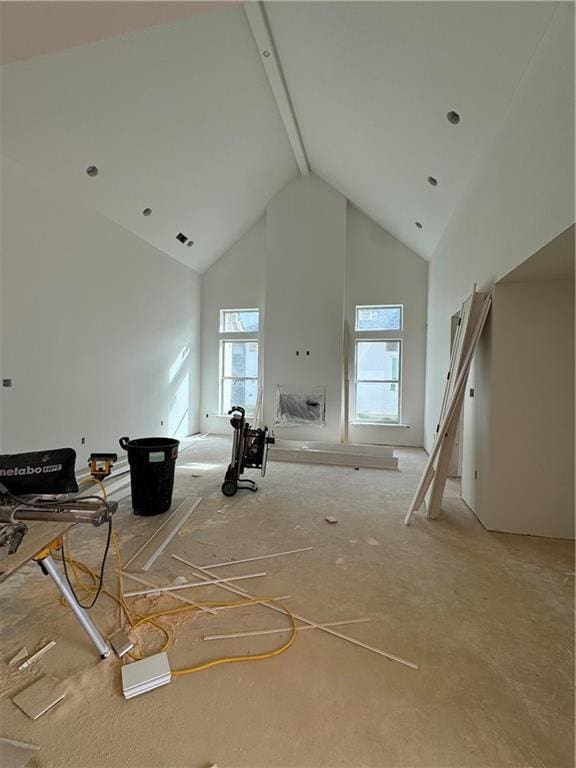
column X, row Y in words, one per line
column 522, row 198
column 311, row 259
column 380, row 270
column 531, row 460
column 235, row 281
column 94, row 323
column 305, row 274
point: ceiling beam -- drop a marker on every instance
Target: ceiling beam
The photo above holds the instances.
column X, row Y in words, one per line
column 267, row 50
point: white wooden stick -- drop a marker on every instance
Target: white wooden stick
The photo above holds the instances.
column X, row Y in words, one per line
column 259, row 557
column 468, row 318
column 198, row 605
column 458, row 389
column 283, row 629
column 155, row 545
column 206, row 583
column 345, row 426
column 253, row 601
column 37, row 655
column 213, row 610
column 333, row 632
column 182, row 599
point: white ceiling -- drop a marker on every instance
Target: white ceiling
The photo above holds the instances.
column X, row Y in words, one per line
column 34, row 28
column 371, row 83
column 180, row 117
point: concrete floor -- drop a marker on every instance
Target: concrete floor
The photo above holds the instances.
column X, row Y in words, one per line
column 488, row 618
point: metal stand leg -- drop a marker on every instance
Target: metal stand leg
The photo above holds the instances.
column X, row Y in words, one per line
column 247, row 485
column 87, row 624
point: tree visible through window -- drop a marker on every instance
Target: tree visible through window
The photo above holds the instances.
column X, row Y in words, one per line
column 379, row 318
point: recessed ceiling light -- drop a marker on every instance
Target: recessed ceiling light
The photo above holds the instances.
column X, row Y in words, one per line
column 418, row 224
column 92, row 171
column 146, row 211
column 190, row 243
column 453, row 117
column 432, row 181
column 266, row 54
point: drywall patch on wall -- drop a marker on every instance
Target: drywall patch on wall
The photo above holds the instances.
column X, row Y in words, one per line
column 100, row 331
column 296, row 408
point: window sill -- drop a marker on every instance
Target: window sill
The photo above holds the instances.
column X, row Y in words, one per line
column 378, row 424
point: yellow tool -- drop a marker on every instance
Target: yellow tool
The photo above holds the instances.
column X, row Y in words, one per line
column 101, row 464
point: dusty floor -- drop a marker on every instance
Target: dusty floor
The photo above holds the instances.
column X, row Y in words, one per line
column 488, row 617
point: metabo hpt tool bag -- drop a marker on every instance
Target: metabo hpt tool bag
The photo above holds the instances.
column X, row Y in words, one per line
column 39, row 472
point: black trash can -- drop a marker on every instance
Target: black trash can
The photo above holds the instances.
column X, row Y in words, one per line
column 152, row 461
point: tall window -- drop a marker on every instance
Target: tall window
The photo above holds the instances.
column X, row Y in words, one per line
column 239, row 358
column 378, row 364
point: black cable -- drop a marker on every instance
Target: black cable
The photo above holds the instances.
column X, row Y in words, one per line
column 102, row 567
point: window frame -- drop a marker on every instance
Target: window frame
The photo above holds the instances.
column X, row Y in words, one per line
column 379, row 306
column 373, row 335
column 398, row 381
column 248, row 337
column 222, row 312
column 223, row 378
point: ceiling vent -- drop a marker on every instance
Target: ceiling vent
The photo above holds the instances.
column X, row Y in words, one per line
column 184, row 239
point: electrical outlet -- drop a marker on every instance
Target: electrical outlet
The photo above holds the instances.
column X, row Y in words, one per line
column 83, row 440
column 161, row 423
column 6, row 382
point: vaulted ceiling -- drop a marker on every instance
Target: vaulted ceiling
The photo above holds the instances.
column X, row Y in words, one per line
column 372, row 83
column 175, row 109
column 35, row 27
column 178, row 118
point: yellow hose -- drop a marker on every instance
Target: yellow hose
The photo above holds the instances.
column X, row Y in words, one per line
column 137, row 621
